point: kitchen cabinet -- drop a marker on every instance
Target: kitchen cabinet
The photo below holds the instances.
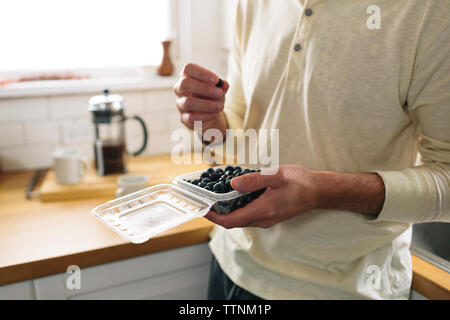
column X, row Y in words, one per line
column 180, row 273
column 17, row 291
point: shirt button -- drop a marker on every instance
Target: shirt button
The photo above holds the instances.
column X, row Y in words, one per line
column 297, row 47
column 308, row 12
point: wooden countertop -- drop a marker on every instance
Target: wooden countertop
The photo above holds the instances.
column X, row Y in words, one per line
column 39, row 239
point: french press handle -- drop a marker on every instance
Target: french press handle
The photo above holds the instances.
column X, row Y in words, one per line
column 144, row 131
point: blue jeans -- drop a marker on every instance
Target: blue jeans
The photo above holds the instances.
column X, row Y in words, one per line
column 222, row 288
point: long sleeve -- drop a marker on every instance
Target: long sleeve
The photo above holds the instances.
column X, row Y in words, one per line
column 422, row 193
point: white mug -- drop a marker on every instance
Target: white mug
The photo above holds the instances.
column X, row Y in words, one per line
column 68, row 165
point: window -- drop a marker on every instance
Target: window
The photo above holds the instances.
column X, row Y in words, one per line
column 49, row 35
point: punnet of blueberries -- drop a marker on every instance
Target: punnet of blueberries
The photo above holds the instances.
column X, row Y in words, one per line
column 219, row 181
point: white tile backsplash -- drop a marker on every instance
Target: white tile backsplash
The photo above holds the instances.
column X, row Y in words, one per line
column 173, row 120
column 11, row 135
column 41, row 132
column 69, row 106
column 134, row 102
column 134, row 143
column 31, row 128
column 77, row 131
column 156, row 123
column 159, row 101
column 86, row 149
column 159, row 144
column 26, row 157
column 23, row 109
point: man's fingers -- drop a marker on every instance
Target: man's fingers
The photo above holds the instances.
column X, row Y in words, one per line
column 197, row 72
column 188, row 86
column 255, row 181
column 194, row 104
column 190, row 117
column 256, row 210
column 225, row 86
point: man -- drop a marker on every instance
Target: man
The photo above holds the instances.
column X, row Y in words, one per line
column 355, row 90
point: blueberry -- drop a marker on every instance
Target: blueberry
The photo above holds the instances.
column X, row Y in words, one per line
column 237, row 168
column 229, row 172
column 196, row 181
column 223, row 178
column 252, row 196
column 229, row 168
column 202, row 184
column 219, row 187
column 242, row 201
column 204, row 175
column 215, row 176
column 219, row 171
column 211, row 184
column 210, row 170
column 206, row 180
column 208, row 188
column 228, row 185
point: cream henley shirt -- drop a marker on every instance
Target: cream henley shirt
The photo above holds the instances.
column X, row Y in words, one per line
column 349, row 91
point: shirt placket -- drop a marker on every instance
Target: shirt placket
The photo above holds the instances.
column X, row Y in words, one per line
column 299, row 42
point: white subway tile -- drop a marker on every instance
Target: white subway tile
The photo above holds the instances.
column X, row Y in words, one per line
column 134, row 102
column 159, row 101
column 134, row 143
column 69, row 106
column 26, row 157
column 173, row 120
column 41, row 132
column 157, row 123
column 86, row 148
column 77, row 131
column 162, row 143
column 11, row 135
column 23, row 109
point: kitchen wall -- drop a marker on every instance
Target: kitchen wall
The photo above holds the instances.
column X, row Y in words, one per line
column 31, row 128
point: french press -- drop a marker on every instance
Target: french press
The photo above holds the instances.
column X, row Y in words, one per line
column 109, row 121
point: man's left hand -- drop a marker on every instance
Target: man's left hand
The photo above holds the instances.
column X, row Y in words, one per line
column 289, row 192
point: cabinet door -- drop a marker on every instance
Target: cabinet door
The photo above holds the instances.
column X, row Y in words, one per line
column 17, row 291
column 175, row 274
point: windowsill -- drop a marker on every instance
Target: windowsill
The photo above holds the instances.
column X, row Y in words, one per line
column 64, row 87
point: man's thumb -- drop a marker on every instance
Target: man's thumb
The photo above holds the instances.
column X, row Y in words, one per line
column 255, row 181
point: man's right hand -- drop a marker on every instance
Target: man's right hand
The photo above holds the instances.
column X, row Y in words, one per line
column 199, row 99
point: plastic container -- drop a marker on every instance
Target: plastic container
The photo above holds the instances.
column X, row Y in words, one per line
column 223, row 202
column 143, row 214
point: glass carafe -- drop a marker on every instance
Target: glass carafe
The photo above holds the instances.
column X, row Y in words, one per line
column 109, row 122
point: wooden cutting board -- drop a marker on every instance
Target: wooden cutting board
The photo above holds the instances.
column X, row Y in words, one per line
column 159, row 169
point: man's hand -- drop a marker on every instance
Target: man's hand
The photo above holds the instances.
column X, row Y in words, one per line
column 295, row 190
column 199, row 99
column 289, row 192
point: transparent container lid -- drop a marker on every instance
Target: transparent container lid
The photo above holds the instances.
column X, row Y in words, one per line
column 143, row 214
